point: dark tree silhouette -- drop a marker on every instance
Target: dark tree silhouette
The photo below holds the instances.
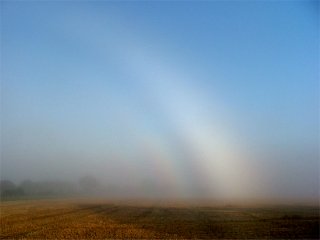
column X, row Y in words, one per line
column 9, row 189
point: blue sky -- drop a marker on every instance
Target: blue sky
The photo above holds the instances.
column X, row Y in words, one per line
column 212, row 94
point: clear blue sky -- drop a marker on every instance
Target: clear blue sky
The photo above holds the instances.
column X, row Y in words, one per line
column 187, row 94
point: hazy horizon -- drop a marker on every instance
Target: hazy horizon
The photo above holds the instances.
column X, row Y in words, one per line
column 163, row 99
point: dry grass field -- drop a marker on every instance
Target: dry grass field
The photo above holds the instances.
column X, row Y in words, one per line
column 88, row 219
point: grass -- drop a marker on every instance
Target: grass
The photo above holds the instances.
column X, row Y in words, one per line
column 94, row 219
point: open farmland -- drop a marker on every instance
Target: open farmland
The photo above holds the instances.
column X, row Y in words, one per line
column 75, row 219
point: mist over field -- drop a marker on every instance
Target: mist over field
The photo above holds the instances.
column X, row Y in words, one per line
column 175, row 100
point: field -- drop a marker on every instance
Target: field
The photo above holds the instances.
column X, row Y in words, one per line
column 93, row 219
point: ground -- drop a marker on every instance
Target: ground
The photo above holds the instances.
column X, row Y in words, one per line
column 101, row 219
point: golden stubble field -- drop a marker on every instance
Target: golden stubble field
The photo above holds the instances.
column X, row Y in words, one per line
column 100, row 219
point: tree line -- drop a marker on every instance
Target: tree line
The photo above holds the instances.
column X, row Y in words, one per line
column 47, row 188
